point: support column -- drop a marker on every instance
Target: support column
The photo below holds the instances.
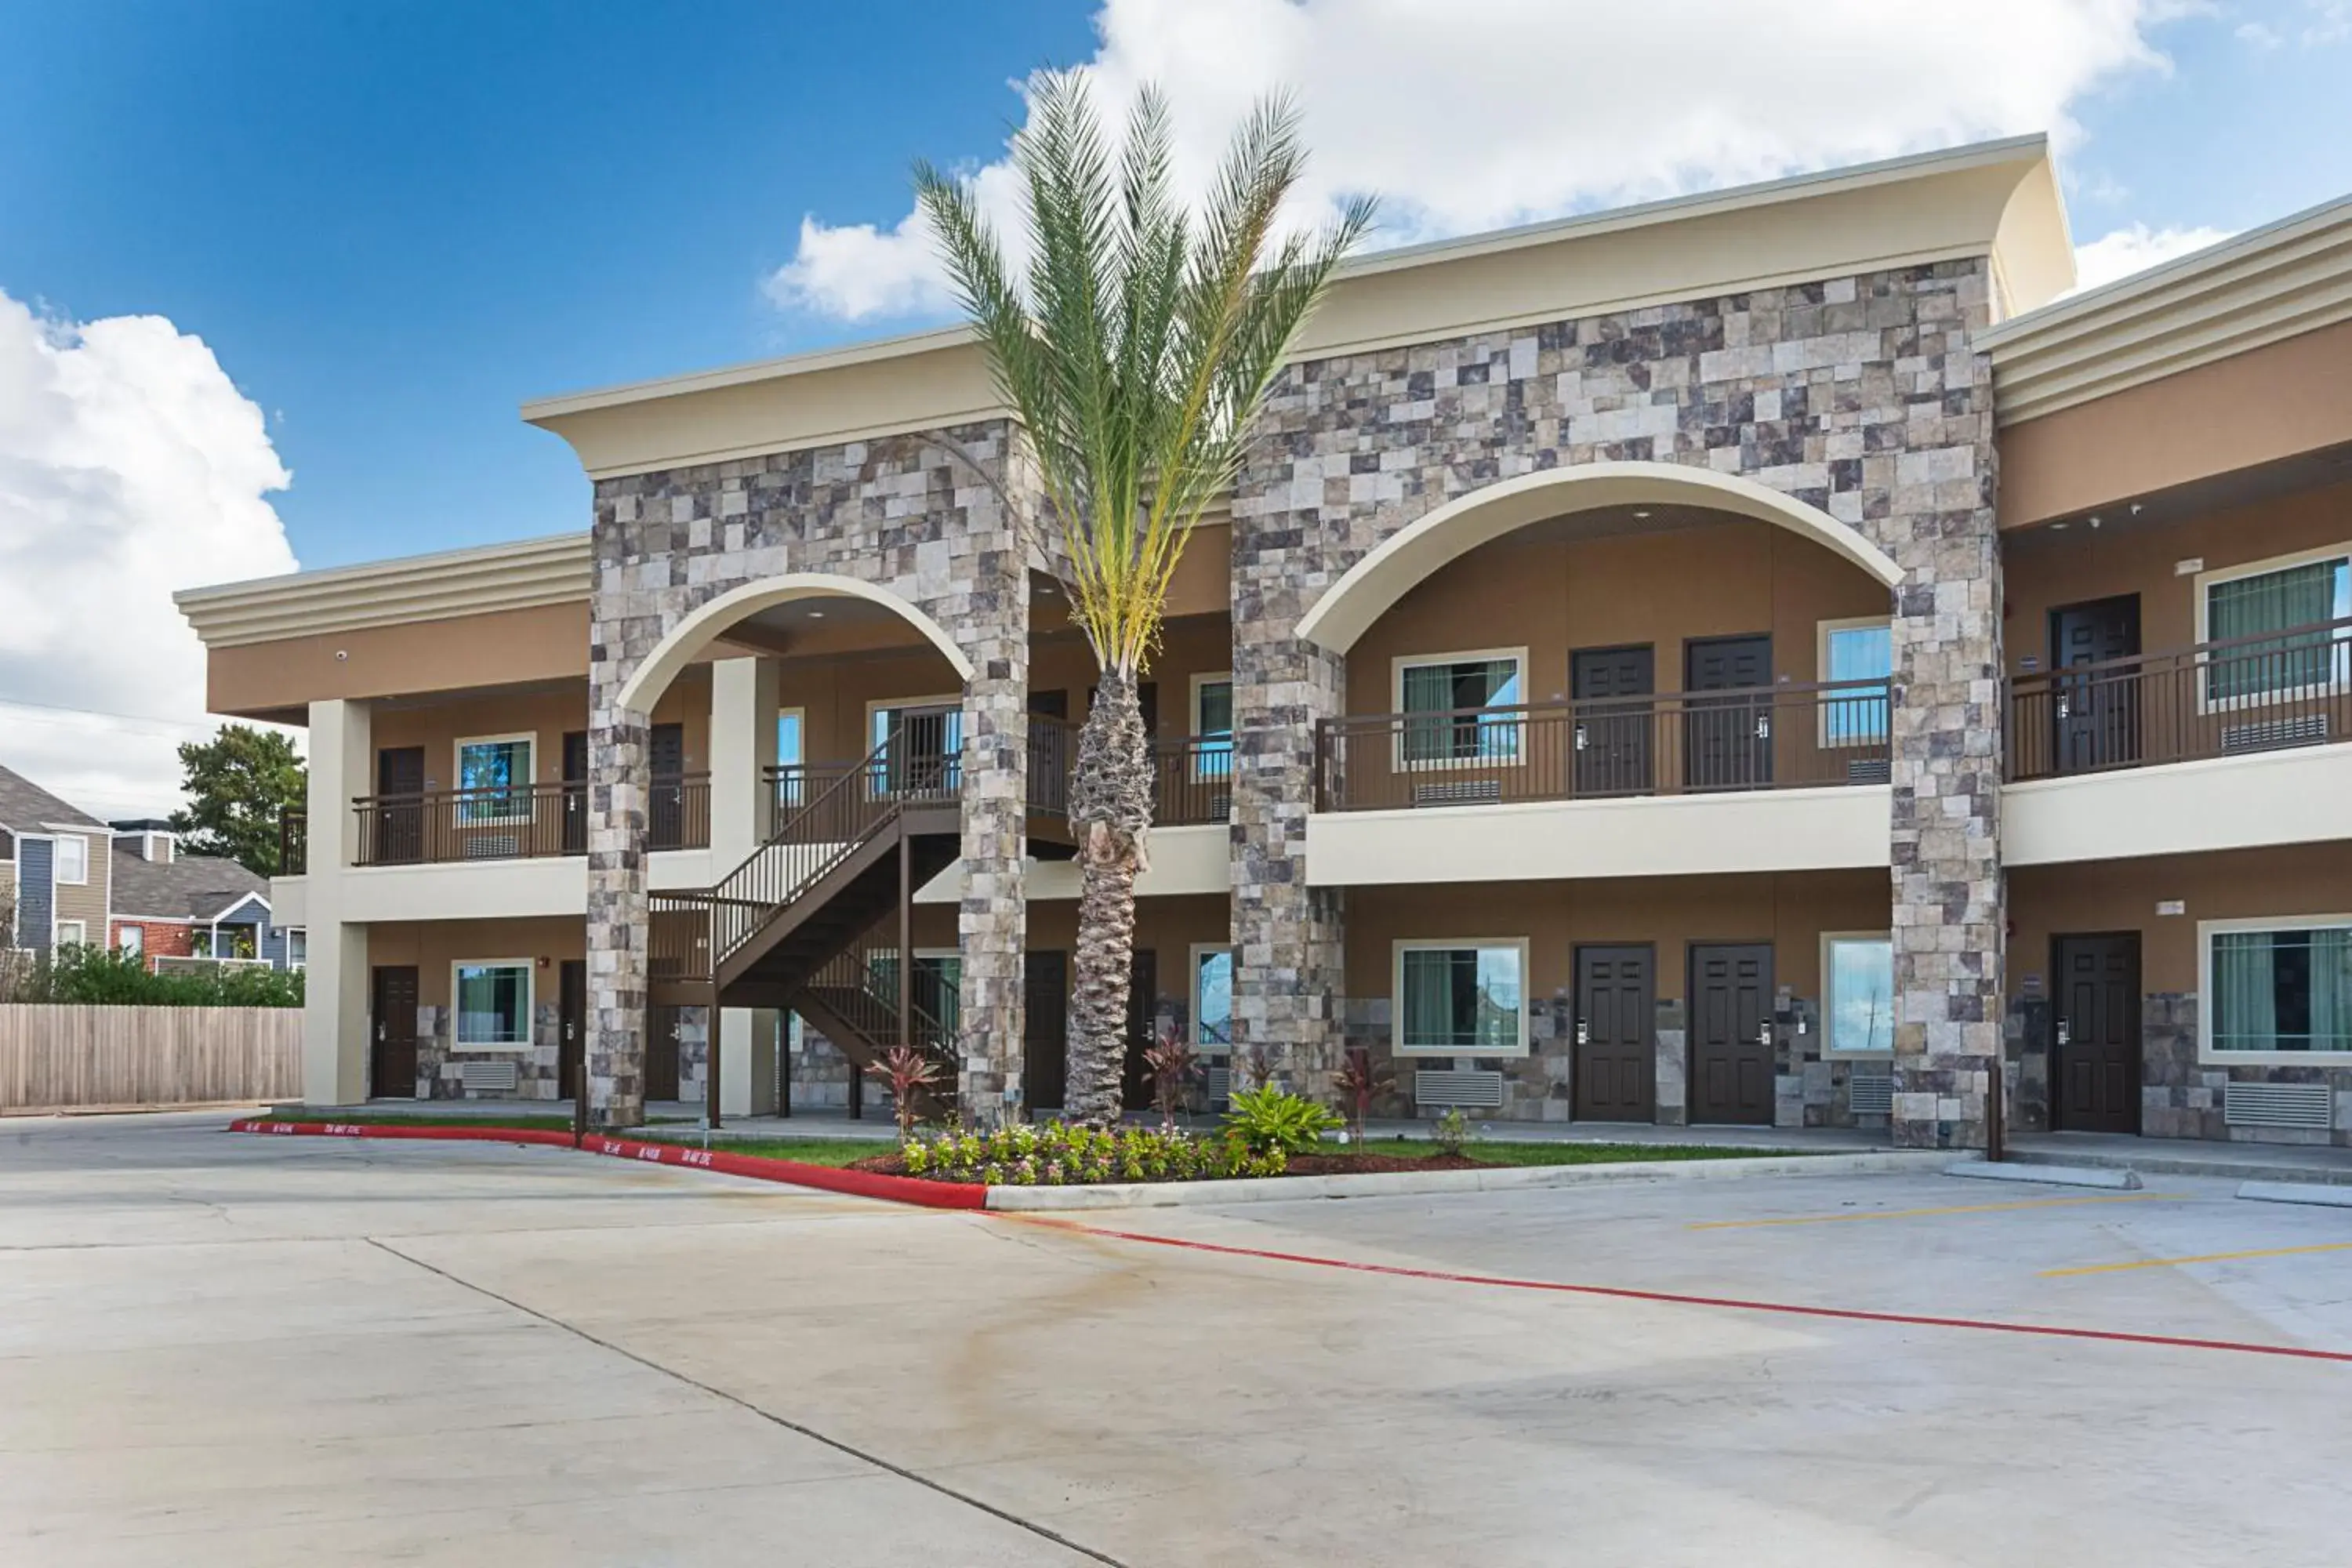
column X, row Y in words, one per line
column 1950, row 896
column 617, row 913
column 1289, row 959
column 991, row 920
column 335, row 1022
column 743, row 700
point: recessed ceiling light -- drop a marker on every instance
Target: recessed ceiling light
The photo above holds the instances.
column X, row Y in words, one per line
column 816, row 615
column 2058, row 528
column 1641, row 514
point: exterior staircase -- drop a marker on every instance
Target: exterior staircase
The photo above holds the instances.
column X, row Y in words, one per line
column 801, row 922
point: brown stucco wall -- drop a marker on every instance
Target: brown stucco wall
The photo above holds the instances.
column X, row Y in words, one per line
column 433, row 946
column 833, row 694
column 2255, row 407
column 1190, row 645
column 546, row 715
column 279, row 679
column 1719, row 577
column 2047, row 568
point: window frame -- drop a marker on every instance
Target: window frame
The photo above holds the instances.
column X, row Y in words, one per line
column 1207, row 763
column 130, row 937
column 2204, row 583
column 2207, row 1055
column 59, row 939
column 57, row 877
column 523, row 787
column 1404, row 661
column 1399, row 947
column 1192, row 996
column 530, row 968
column 799, row 716
column 1823, row 632
column 880, row 786
column 1830, row 1053
column 292, row 934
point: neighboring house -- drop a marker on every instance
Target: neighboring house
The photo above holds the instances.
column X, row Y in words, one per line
column 54, row 867
column 168, row 904
column 1768, row 656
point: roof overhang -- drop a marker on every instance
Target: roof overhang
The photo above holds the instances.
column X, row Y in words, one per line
column 1994, row 200
column 2267, row 284
column 529, row 572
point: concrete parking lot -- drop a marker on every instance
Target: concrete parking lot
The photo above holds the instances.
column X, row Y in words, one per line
column 242, row 1350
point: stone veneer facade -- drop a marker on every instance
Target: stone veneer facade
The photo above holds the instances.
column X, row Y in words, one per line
column 1861, row 397
column 901, row 515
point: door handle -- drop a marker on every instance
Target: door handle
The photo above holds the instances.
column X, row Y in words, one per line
column 1584, row 1031
column 1763, row 726
column 1764, row 1035
column 1580, row 737
column 2063, row 1033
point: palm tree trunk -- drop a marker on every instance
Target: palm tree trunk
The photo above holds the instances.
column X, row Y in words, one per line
column 1110, row 810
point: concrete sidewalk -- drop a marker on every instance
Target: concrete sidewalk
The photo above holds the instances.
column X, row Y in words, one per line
column 2185, row 1157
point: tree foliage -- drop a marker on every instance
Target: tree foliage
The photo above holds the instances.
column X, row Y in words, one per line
column 237, row 783
column 94, row 977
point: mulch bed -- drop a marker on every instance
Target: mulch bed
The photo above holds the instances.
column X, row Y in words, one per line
column 1302, row 1166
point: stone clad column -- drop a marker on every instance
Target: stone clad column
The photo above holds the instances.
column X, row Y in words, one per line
column 1289, row 961
column 616, row 907
column 1947, row 723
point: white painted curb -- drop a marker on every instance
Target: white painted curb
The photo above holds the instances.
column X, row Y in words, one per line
column 2297, row 1192
column 1417, row 1184
column 2049, row 1175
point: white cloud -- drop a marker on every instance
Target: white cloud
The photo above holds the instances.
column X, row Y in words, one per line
column 2259, row 35
column 130, row 466
column 2135, row 249
column 1471, row 114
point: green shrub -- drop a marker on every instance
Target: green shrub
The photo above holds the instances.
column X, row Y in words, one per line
column 94, row 977
column 1450, row 1132
column 1055, row 1155
column 1272, row 1121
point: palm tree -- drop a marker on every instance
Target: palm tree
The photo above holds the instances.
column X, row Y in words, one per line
column 1136, row 354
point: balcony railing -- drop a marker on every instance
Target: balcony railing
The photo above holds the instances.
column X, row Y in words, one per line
column 522, row 822
column 1668, row 743
column 293, row 841
column 2265, row 693
column 1192, row 782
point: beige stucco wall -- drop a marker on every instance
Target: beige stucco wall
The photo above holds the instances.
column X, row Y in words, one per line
column 2047, row 568
column 279, row 680
column 2254, row 407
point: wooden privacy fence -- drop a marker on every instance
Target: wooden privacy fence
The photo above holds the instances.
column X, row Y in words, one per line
column 59, row 1057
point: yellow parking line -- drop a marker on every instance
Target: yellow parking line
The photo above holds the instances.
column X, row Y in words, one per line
column 2201, row 1258
column 1922, row 1214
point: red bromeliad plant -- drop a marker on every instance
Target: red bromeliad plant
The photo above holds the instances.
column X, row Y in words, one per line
column 1173, row 1063
column 1359, row 1082
column 909, row 1072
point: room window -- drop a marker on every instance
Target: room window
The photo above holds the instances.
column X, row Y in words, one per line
column 132, row 939
column 495, row 775
column 71, row 933
column 1212, row 726
column 2296, row 601
column 1850, row 651
column 1457, row 710
column 925, row 742
column 297, row 948
column 493, row 1003
column 1213, row 998
column 1858, row 994
column 72, row 863
column 1463, row 999
column 2282, row 989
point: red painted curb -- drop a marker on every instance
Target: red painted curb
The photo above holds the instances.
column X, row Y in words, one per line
column 827, row 1178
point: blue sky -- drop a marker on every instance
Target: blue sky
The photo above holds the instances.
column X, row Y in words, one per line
column 388, row 224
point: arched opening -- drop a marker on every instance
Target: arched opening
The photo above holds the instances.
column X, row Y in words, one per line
column 1638, row 491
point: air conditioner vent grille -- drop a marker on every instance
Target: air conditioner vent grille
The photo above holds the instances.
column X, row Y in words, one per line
column 1470, row 1090
column 2305, row 1105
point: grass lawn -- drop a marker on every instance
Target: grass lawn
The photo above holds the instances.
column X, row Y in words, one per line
column 1497, row 1152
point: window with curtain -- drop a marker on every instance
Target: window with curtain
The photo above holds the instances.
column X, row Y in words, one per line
column 2294, row 601
column 1855, row 653
column 1213, row 998
column 1858, row 980
column 2285, row 990
column 493, row 1005
column 1443, row 701
column 1213, row 725
column 1462, row 1001
column 496, row 776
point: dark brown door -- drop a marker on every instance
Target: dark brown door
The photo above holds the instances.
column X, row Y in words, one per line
column 1050, row 704
column 1730, row 1045
column 571, row 1027
column 1045, row 1030
column 2095, row 713
column 392, row 1060
column 661, row 1053
column 1727, row 740
column 400, row 810
column 2095, row 1065
column 1612, row 688
column 1616, row 1048
column 1147, row 702
column 666, row 807
column 575, row 792
column 1142, row 1009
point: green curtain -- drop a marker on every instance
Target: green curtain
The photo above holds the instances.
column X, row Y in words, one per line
column 1428, row 689
column 2245, row 992
column 2274, row 601
column 1428, row 999
column 2331, row 990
